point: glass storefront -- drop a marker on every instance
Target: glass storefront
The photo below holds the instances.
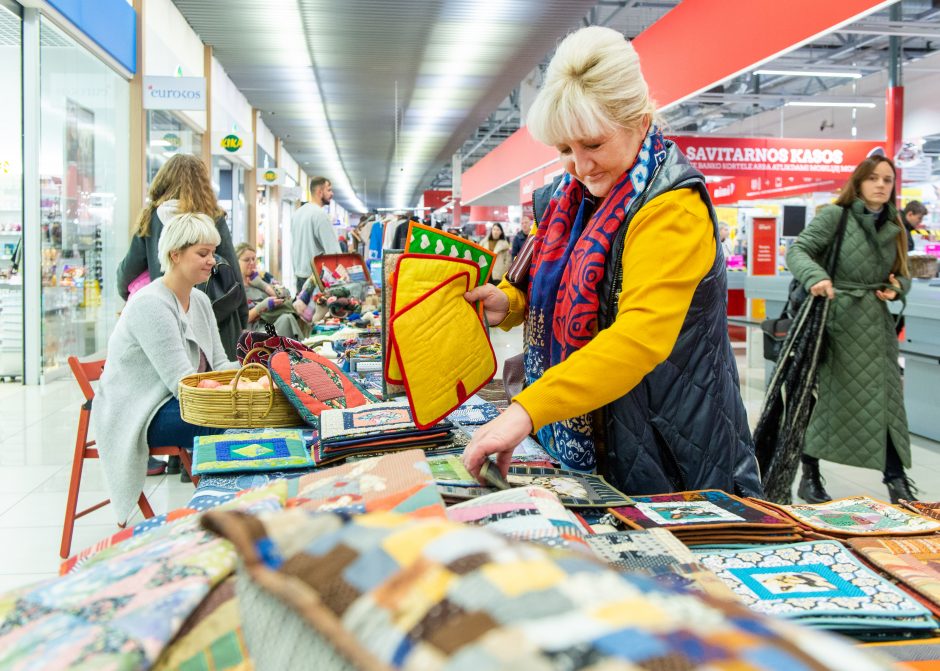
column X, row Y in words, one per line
column 83, row 168
column 11, row 197
column 166, row 136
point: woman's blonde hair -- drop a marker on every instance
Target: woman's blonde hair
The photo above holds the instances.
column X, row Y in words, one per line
column 243, row 247
column 853, row 191
column 184, row 178
column 183, row 231
column 593, row 85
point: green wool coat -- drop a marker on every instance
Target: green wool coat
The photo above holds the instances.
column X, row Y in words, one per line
column 860, row 398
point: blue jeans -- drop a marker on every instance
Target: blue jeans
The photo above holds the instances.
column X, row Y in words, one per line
column 168, row 428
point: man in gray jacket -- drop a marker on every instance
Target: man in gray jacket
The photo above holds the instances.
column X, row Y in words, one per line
column 311, row 230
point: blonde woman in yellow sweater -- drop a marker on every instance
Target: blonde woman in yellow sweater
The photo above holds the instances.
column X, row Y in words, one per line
column 629, row 370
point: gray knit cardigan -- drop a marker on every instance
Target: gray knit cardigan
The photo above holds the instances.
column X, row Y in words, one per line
column 153, row 346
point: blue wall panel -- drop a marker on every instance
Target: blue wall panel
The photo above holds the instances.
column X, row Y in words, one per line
column 112, row 24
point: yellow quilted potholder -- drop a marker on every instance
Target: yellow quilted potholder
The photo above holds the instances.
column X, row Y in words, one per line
column 445, row 353
column 415, row 275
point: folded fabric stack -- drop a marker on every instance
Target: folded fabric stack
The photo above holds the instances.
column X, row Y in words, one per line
column 374, row 429
column 820, row 584
column 437, row 343
column 925, row 508
column 660, row 555
column 913, row 562
column 859, row 516
column 709, row 517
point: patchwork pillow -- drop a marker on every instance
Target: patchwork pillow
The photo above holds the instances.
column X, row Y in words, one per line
column 244, row 452
column 380, row 591
column 313, row 383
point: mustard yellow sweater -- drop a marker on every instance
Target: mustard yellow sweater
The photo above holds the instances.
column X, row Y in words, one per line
column 667, row 252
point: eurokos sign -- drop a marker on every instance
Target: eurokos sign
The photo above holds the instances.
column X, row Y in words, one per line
column 175, row 93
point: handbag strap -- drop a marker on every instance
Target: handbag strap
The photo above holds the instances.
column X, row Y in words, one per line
column 837, row 244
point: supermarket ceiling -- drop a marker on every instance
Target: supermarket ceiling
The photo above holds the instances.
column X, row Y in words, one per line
column 379, row 94
column 381, row 91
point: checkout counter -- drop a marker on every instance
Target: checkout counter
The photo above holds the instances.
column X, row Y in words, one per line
column 921, row 348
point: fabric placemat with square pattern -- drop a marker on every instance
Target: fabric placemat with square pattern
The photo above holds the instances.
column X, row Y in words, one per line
column 912, row 561
column 818, row 582
column 702, row 509
column 576, row 490
column 268, row 451
column 860, row 516
column 639, row 550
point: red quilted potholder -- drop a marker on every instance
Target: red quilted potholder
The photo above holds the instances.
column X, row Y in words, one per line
column 313, row 383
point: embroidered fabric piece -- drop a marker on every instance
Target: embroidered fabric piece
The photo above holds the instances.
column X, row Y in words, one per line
column 476, row 414
column 818, row 583
column 640, row 550
column 319, row 381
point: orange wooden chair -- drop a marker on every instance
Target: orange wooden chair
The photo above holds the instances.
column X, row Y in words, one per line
column 85, row 373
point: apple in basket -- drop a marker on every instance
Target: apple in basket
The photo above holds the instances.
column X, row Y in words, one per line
column 208, row 384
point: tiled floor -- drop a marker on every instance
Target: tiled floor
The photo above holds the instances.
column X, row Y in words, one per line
column 38, row 440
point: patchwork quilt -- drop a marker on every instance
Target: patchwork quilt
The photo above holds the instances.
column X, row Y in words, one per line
column 380, row 591
column 915, row 562
column 860, row 516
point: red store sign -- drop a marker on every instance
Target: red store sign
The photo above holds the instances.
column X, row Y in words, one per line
column 775, row 159
column 764, row 246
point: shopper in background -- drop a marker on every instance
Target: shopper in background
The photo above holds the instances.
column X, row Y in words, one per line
column 859, row 417
column 518, row 240
column 914, row 213
column 497, row 243
column 727, row 247
column 182, row 185
column 166, row 332
column 628, row 365
column 311, row 231
column 268, row 300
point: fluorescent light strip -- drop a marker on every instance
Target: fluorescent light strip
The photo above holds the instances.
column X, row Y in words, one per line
column 809, row 103
column 810, row 73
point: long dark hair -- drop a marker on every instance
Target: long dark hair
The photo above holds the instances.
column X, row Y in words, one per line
column 502, row 233
column 852, row 191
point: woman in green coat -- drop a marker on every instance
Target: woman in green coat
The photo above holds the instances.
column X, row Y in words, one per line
column 859, row 418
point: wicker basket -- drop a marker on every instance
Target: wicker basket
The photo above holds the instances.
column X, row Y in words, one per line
column 238, row 408
column 923, row 266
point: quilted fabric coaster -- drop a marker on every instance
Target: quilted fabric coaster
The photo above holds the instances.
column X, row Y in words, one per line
column 472, row 415
column 640, row 550
column 377, row 418
column 704, row 509
column 575, row 490
column 444, row 350
column 380, row 592
column 268, row 451
column 912, row 561
column 526, row 513
column 818, row 582
column 399, row 482
column 416, row 275
column 448, row 469
column 860, row 516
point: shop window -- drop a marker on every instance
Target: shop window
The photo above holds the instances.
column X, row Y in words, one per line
column 84, row 218
column 167, row 135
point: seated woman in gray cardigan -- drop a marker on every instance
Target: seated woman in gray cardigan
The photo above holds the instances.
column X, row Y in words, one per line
column 166, row 332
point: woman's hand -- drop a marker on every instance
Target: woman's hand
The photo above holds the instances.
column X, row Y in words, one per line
column 499, row 437
column 269, row 304
column 889, row 294
column 823, row 288
column 495, row 303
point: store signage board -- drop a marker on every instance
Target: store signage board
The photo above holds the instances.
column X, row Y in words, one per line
column 174, row 93
column 233, row 143
column 731, row 190
column 763, row 246
column 775, row 159
column 270, row 176
column 435, row 199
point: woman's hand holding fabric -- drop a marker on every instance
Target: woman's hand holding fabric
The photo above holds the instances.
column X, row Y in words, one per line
column 823, row 288
column 889, row 294
column 495, row 302
column 269, row 304
column 499, row 437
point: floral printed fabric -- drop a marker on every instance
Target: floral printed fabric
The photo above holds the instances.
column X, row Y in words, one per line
column 122, row 607
column 818, row 583
column 384, row 591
